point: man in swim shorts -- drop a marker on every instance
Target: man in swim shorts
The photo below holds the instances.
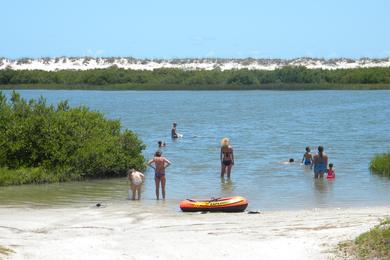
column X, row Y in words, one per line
column 173, row 131
column 159, row 163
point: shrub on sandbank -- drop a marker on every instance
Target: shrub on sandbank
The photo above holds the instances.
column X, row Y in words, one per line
column 46, row 143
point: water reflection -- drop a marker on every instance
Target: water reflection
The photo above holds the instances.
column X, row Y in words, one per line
column 227, row 187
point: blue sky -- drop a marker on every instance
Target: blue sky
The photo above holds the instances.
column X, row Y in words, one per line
column 195, row 28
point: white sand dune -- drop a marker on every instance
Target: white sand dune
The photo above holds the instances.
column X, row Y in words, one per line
column 87, row 63
column 138, row 231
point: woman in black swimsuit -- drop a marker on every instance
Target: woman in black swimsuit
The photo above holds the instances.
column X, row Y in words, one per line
column 227, row 157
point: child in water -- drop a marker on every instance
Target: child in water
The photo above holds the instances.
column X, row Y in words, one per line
column 331, row 172
column 307, row 157
column 136, row 179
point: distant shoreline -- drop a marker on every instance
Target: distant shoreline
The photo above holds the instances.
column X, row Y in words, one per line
column 115, row 78
column 122, row 87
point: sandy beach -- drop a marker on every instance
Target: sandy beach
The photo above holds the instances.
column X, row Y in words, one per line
column 138, row 231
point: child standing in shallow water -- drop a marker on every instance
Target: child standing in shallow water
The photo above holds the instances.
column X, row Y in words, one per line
column 331, row 172
column 136, row 179
column 307, row 157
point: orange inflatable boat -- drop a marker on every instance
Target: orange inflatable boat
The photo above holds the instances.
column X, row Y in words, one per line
column 232, row 204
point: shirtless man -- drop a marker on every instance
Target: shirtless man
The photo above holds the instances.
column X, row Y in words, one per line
column 159, row 163
column 173, row 131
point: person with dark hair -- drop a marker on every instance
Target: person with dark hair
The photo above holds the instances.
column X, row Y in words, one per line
column 161, row 144
column 307, row 157
column 159, row 163
column 320, row 163
column 173, row 131
column 331, row 172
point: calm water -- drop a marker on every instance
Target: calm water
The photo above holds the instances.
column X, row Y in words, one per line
column 265, row 128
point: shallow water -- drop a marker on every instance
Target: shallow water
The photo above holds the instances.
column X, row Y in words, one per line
column 265, row 128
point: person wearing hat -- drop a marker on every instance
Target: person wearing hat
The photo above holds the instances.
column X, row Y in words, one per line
column 226, row 157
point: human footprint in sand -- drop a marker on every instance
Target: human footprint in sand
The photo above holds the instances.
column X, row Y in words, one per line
column 160, row 163
column 136, row 179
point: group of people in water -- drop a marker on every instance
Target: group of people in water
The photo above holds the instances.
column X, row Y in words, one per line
column 319, row 162
column 159, row 163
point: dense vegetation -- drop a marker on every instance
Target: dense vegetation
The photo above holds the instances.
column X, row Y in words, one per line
column 45, row 143
column 289, row 77
column 380, row 164
column 374, row 244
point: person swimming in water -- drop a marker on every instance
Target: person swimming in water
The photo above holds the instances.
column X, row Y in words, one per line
column 307, row 157
column 226, row 157
column 320, row 162
column 160, row 164
column 161, row 144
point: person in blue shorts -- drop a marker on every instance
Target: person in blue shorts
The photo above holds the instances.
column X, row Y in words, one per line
column 307, row 157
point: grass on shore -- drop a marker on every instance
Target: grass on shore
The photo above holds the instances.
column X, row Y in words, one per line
column 380, row 164
column 374, row 244
column 270, row 86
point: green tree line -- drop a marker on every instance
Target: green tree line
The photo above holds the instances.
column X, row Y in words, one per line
column 46, row 143
column 192, row 78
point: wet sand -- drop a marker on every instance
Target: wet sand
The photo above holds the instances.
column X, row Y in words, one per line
column 139, row 231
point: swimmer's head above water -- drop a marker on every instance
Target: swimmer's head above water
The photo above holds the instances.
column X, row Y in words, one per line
column 158, row 154
column 307, row 149
column 291, row 160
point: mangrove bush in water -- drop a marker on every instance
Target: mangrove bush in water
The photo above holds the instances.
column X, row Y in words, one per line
column 380, row 164
column 46, row 143
column 289, row 77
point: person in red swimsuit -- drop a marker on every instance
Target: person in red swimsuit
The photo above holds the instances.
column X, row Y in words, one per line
column 160, row 163
column 331, row 172
column 226, row 157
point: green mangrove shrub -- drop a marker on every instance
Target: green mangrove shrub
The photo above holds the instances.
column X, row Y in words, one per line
column 380, row 164
column 44, row 143
column 114, row 77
